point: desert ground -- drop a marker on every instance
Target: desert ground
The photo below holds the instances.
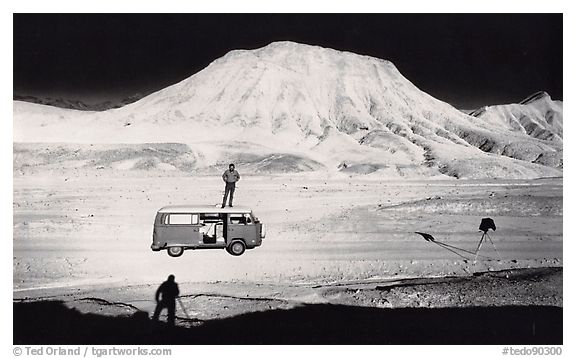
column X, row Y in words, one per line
column 339, row 251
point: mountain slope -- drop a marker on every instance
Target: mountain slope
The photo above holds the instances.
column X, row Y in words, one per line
column 77, row 104
column 336, row 109
column 537, row 116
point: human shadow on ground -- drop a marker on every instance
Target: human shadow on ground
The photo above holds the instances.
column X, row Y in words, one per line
column 51, row 322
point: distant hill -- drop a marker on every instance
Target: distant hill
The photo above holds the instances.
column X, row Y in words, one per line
column 537, row 116
column 289, row 107
column 77, row 104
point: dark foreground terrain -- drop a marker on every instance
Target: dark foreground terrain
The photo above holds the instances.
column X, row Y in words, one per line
column 508, row 307
column 50, row 322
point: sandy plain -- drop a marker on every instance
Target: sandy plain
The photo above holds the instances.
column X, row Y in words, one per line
column 84, row 241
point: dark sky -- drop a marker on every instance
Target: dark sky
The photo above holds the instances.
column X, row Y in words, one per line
column 468, row 60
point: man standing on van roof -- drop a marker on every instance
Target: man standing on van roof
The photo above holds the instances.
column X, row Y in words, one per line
column 230, row 177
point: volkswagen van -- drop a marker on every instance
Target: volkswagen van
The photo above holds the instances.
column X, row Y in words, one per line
column 187, row 227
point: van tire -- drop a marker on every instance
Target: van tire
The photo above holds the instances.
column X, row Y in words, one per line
column 175, row 251
column 237, row 248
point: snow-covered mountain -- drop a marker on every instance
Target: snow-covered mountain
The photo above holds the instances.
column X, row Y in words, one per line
column 293, row 107
column 537, row 116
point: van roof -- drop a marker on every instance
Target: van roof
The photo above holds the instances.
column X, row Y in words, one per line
column 205, row 209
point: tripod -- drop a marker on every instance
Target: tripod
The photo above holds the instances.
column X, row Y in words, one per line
column 181, row 305
column 484, row 236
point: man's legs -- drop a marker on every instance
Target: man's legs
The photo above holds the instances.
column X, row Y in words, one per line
column 232, row 188
column 226, row 190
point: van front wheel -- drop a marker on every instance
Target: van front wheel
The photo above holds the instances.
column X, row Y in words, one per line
column 237, row 248
column 175, row 251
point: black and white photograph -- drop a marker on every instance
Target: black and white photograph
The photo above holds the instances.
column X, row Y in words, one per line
column 287, row 179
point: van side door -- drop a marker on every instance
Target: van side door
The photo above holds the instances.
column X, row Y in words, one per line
column 180, row 229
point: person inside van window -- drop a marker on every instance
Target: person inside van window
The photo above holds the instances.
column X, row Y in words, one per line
column 237, row 219
column 230, row 177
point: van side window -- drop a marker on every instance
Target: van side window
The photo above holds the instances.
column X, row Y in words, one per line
column 180, row 219
column 237, row 219
column 210, row 218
